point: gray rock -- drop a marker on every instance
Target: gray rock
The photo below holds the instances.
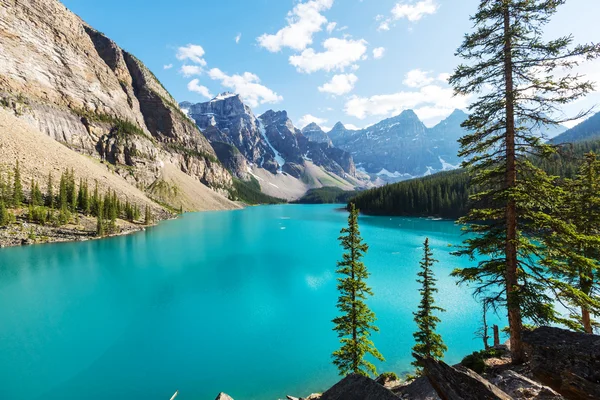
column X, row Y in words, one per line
column 521, row 387
column 419, row 389
column 358, row 387
column 459, row 383
column 223, row 396
column 568, row 362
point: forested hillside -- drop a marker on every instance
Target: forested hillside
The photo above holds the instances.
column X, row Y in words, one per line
column 446, row 194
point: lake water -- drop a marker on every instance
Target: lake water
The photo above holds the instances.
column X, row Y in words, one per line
column 238, row 301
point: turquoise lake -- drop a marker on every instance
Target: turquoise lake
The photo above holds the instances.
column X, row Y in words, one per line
column 238, row 301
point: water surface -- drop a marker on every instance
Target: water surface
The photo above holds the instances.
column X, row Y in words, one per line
column 238, row 301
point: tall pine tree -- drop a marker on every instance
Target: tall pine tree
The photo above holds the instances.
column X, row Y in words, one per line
column 17, row 193
column 429, row 343
column 514, row 199
column 357, row 322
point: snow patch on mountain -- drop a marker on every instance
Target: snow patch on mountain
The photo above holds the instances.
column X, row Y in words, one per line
column 280, row 160
column 446, row 166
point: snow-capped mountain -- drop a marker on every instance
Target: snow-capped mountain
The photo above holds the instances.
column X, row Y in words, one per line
column 245, row 143
column 402, row 147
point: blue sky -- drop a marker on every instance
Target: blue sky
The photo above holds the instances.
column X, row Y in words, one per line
column 355, row 61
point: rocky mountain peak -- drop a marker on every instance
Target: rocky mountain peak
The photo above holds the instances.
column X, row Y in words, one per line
column 314, row 133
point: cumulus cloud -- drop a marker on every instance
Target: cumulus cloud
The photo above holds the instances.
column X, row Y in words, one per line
column 194, row 86
column 247, row 86
column 417, row 78
column 303, row 22
column 309, row 119
column 339, row 84
column 429, row 102
column 338, row 54
column 238, row 37
column 190, row 70
column 378, row 52
column 411, row 11
column 331, row 26
column 168, row 66
column 193, row 53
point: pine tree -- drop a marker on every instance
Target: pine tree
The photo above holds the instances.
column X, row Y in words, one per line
column 50, row 192
column 17, row 193
column 429, row 343
column 357, row 322
column 514, row 199
column 4, row 220
column 577, row 259
column 147, row 216
column 100, row 220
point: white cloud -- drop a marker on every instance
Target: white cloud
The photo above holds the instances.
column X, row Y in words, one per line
column 339, row 84
column 309, row 119
column 378, row 52
column 192, row 52
column 430, row 102
column 194, row 86
column 417, row 78
column 190, row 70
column 414, row 12
column 168, row 66
column 411, row 11
column 331, row 26
column 247, row 86
column 238, row 37
column 338, row 54
column 303, row 22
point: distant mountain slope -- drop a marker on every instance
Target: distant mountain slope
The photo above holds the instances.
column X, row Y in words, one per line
column 77, row 86
column 587, row 130
column 402, row 147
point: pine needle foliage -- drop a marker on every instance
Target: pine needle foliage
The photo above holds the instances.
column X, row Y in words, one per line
column 357, row 322
column 515, row 201
column 429, row 343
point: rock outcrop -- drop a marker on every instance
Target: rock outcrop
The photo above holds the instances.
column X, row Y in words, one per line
column 223, row 396
column 358, row 387
column 76, row 85
column 520, row 387
column 568, row 362
column 459, row 383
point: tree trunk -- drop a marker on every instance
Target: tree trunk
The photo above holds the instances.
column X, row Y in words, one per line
column 511, row 274
column 496, row 336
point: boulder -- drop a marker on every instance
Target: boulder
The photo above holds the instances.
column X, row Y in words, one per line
column 459, row 383
column 358, row 387
column 521, row 387
column 223, row 396
column 568, row 362
column 419, row 389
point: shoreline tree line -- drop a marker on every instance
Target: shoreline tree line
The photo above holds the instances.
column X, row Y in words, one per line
column 64, row 205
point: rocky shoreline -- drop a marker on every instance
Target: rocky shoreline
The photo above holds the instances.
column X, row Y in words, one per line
column 560, row 365
column 23, row 233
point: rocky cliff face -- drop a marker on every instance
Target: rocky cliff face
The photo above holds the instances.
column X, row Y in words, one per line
column 403, row 147
column 80, row 88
